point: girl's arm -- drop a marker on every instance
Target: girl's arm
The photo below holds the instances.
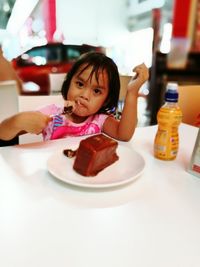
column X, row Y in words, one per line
column 23, row 122
column 124, row 129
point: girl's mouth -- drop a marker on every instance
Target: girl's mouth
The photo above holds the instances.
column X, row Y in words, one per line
column 80, row 104
column 81, row 108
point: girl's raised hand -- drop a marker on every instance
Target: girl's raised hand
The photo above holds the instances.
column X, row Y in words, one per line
column 142, row 75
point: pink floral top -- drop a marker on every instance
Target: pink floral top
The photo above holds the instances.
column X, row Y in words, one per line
column 61, row 127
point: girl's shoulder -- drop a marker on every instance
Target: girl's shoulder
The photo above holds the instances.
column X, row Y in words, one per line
column 99, row 118
column 51, row 109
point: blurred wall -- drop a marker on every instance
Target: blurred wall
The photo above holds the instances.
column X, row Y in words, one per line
column 91, row 21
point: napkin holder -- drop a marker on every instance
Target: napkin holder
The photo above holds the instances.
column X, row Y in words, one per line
column 194, row 166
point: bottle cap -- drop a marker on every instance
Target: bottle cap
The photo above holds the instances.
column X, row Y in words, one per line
column 171, row 94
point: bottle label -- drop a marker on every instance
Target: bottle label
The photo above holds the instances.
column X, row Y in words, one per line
column 167, row 140
column 166, row 144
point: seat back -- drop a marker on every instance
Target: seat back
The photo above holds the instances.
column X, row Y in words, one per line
column 56, row 81
column 8, row 99
column 8, row 105
column 189, row 102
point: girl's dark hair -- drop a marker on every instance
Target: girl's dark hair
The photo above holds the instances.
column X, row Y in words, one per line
column 99, row 62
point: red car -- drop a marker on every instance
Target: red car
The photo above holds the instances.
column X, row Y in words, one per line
column 35, row 65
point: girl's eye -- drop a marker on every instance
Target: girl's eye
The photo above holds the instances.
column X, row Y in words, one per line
column 97, row 91
column 79, row 84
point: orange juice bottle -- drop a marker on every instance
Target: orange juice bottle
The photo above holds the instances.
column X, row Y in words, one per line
column 169, row 117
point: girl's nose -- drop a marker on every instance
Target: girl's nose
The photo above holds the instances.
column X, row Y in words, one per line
column 85, row 94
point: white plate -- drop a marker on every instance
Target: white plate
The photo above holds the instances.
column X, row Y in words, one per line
column 129, row 166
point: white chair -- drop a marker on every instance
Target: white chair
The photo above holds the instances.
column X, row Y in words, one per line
column 56, row 81
column 8, row 99
column 30, row 103
column 189, row 102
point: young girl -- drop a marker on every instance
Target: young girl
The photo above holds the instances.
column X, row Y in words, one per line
column 92, row 89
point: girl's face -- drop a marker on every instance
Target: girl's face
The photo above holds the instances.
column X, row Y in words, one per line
column 88, row 93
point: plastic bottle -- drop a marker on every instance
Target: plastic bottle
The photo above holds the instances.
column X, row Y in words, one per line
column 169, row 117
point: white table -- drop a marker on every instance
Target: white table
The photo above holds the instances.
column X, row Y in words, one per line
column 152, row 222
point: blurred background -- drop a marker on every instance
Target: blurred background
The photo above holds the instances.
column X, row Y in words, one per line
column 42, row 38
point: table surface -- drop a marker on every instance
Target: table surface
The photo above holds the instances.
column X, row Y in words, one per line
column 151, row 222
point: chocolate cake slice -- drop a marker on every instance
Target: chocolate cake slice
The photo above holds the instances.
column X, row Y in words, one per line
column 94, row 154
column 67, row 110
